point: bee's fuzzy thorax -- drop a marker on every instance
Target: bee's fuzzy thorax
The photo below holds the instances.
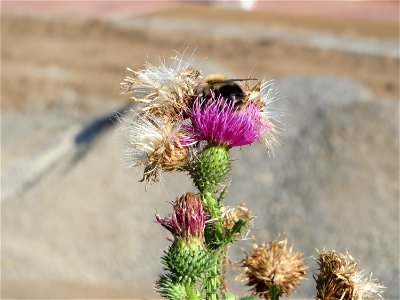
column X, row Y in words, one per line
column 214, row 78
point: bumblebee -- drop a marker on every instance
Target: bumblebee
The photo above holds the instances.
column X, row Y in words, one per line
column 219, row 85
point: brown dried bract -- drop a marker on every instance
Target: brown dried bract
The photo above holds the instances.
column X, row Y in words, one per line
column 233, row 214
column 168, row 156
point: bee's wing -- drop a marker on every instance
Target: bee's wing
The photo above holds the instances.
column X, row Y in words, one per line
column 231, row 80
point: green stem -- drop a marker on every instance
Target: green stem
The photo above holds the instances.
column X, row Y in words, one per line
column 213, row 281
column 274, row 293
column 213, row 237
column 191, row 292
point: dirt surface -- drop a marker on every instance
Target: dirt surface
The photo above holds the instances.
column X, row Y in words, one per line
column 330, row 17
column 76, row 56
column 69, row 290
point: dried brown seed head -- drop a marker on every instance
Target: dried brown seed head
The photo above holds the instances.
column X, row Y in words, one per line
column 166, row 90
column 340, row 278
column 273, row 265
column 168, row 155
column 152, row 143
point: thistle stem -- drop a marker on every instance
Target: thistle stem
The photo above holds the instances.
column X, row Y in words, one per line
column 213, row 208
column 191, row 292
column 214, row 282
column 274, row 293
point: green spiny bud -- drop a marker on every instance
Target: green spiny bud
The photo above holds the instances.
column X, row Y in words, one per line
column 212, row 168
column 168, row 287
column 188, row 259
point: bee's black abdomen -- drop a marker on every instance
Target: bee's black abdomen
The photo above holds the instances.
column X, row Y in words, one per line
column 232, row 92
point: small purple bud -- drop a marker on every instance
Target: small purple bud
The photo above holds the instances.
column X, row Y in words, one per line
column 188, row 218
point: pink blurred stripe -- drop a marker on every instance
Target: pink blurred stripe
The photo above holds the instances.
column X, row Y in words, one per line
column 85, row 8
column 380, row 10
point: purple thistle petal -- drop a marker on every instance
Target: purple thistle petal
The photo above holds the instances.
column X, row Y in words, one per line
column 219, row 121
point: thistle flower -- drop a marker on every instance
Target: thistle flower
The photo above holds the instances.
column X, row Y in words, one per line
column 273, row 266
column 153, row 143
column 188, row 218
column 340, row 278
column 167, row 89
column 220, row 122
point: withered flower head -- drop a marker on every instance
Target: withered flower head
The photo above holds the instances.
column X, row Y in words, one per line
column 152, row 143
column 233, row 214
column 340, row 278
column 167, row 89
column 273, row 265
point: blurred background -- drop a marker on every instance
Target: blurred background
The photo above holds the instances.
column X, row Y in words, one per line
column 75, row 223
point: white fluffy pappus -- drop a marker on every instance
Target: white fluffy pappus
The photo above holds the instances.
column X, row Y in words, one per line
column 151, row 142
column 165, row 88
column 142, row 135
column 269, row 94
column 366, row 287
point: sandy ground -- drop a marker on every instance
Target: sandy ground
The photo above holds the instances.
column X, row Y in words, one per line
column 338, row 18
column 69, row 290
column 71, row 56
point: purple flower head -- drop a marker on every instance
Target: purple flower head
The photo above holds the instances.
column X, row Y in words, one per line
column 188, row 218
column 220, row 121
